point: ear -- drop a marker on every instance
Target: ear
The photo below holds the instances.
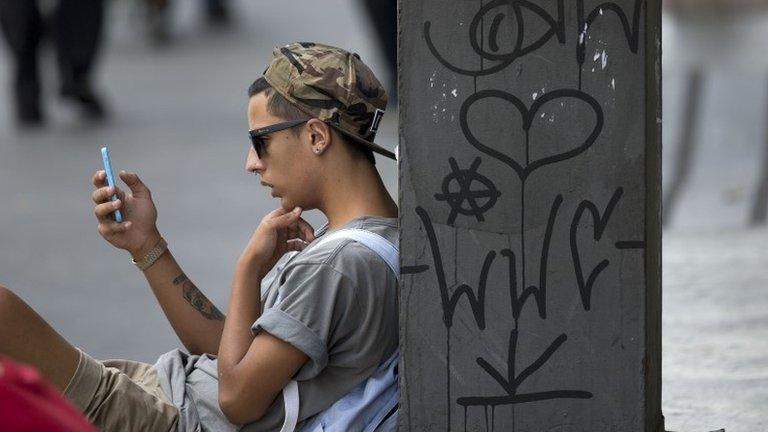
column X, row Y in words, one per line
column 320, row 135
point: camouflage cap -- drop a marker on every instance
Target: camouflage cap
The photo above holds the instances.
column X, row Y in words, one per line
column 333, row 85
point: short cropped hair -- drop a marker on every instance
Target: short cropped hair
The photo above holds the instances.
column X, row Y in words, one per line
column 278, row 106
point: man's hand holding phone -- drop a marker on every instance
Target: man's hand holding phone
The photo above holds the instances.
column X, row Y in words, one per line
column 138, row 232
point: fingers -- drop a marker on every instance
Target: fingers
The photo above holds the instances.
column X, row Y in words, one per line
column 274, row 214
column 99, row 178
column 103, row 194
column 103, row 191
column 104, row 207
column 285, row 220
column 306, row 232
column 295, row 244
column 103, row 210
column 138, row 188
column 292, row 231
column 109, row 227
column 300, row 235
column 282, row 235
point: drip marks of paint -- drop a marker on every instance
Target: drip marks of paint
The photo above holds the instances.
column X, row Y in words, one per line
column 493, row 412
column 465, row 418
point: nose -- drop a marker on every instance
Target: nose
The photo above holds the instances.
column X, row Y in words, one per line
column 253, row 163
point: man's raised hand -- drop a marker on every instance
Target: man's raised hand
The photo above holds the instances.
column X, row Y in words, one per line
column 138, row 231
column 280, row 231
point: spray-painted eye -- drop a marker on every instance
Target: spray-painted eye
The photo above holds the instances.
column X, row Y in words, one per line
column 502, row 24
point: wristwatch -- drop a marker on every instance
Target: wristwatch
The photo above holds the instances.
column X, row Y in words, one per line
column 160, row 247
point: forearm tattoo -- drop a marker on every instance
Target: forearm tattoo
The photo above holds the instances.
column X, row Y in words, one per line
column 197, row 299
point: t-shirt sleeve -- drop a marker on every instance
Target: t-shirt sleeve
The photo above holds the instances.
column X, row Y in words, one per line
column 266, row 282
column 313, row 297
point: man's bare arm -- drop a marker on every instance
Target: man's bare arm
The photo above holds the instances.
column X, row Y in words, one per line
column 196, row 321
column 253, row 369
column 197, row 299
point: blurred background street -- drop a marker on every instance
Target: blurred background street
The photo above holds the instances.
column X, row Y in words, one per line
column 176, row 103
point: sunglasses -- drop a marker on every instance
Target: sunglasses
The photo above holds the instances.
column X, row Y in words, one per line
column 257, row 135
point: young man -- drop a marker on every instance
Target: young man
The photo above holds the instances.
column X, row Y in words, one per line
column 325, row 316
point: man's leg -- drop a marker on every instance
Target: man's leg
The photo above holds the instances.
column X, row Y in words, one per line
column 26, row 337
column 78, row 29
column 125, row 396
column 21, row 25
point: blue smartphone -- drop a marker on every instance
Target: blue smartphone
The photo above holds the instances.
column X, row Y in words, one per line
column 118, row 217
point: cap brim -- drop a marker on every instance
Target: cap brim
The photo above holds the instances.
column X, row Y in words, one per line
column 370, row 145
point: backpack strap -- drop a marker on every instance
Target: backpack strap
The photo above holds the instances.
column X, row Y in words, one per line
column 375, row 242
column 383, row 248
column 291, row 399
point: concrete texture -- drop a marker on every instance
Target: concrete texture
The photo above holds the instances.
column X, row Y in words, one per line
column 179, row 120
column 523, row 191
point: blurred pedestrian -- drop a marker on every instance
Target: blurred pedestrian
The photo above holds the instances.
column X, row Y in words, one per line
column 217, row 14
column 76, row 26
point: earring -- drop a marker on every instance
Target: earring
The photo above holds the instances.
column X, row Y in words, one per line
column 317, row 150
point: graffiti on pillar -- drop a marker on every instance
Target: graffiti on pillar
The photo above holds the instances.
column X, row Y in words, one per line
column 556, row 29
column 469, row 194
column 600, row 222
column 465, row 179
column 476, row 299
column 632, row 33
column 523, row 170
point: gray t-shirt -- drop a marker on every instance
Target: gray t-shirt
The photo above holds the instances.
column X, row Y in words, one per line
column 338, row 304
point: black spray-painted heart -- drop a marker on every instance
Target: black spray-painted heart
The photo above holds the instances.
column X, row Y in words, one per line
column 527, row 115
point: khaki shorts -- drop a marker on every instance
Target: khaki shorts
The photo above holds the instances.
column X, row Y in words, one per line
column 121, row 395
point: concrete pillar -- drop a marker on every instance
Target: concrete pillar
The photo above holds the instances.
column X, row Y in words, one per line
column 530, row 218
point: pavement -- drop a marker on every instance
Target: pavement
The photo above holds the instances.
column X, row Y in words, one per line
column 715, row 248
column 178, row 119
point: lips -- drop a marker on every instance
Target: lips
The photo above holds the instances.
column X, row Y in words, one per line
column 271, row 187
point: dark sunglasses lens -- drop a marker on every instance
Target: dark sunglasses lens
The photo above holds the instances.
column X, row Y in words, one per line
column 258, row 145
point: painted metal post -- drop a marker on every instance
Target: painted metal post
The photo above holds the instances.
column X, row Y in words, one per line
column 530, row 215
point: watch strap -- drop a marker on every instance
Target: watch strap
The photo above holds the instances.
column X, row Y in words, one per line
column 160, row 247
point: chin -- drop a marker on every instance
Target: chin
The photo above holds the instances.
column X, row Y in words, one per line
column 286, row 204
column 289, row 204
